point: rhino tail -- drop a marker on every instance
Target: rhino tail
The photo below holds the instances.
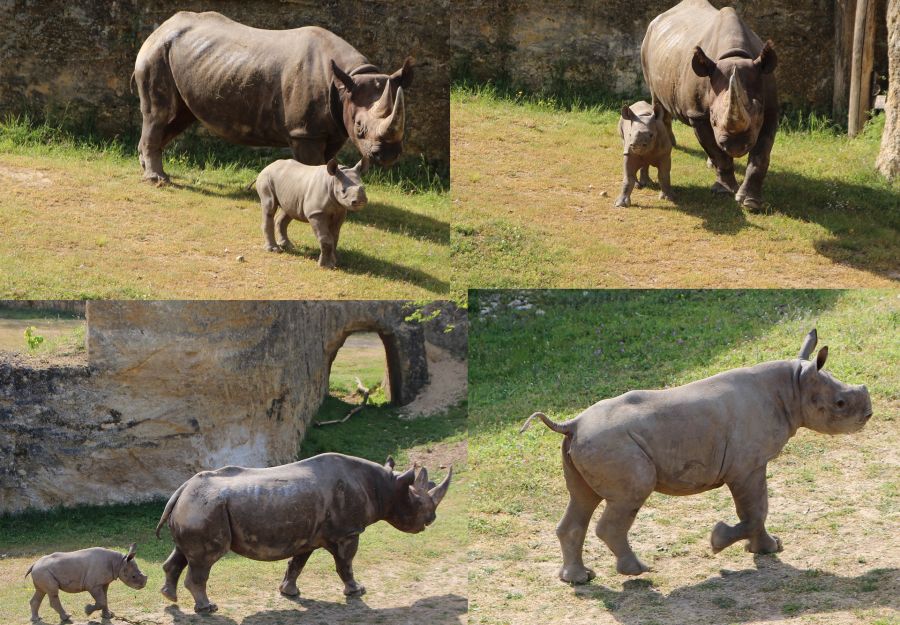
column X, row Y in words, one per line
column 250, row 186
column 169, row 506
column 131, row 84
column 28, row 572
column 566, row 427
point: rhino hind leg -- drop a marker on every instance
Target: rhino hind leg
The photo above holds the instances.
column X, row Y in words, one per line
column 572, row 528
column 343, row 552
column 99, row 596
column 195, row 582
column 35, row 603
column 295, row 566
column 56, row 604
column 282, row 220
column 612, row 528
column 173, row 567
column 752, row 505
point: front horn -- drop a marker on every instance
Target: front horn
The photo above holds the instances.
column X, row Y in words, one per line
column 437, row 493
column 737, row 118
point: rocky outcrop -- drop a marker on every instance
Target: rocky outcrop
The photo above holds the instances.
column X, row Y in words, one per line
column 172, row 388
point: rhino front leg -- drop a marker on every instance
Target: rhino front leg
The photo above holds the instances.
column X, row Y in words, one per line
column 36, row 604
column 288, row 587
column 750, row 193
column 629, row 179
column 343, row 553
column 724, row 164
column 644, row 180
column 99, row 595
column 309, row 151
column 751, row 500
column 322, row 228
column 195, row 582
column 173, row 567
column 57, row 605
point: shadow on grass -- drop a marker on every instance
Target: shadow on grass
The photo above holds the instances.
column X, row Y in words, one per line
column 449, row 608
column 789, row 591
column 395, row 219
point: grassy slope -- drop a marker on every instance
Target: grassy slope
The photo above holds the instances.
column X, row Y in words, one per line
column 398, row 569
column 833, row 500
column 78, row 223
column 527, row 179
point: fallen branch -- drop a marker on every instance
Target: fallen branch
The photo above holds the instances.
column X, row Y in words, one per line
column 359, row 389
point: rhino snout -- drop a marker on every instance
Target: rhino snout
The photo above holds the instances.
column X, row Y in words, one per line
column 360, row 201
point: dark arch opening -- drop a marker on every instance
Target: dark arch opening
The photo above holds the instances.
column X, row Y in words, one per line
column 392, row 376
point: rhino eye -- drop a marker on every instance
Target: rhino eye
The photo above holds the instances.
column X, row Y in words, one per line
column 840, row 403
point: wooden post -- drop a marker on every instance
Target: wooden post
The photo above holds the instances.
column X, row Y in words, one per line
column 843, row 49
column 863, row 47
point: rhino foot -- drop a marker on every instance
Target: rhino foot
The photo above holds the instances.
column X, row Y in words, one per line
column 357, row 590
column 89, row 609
column 622, row 201
column 667, row 196
column 289, row 589
column 285, row 245
column 751, row 203
column 576, row 574
column 65, row 618
column 327, row 264
column 169, row 593
column 719, row 538
column 209, row 608
column 718, row 187
column 155, row 178
column 630, row 565
column 272, row 248
column 771, row 544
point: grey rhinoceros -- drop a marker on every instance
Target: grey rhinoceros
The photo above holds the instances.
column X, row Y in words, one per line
column 645, row 142
column 711, row 71
column 304, row 88
column 690, row 439
column 91, row 570
column 289, row 511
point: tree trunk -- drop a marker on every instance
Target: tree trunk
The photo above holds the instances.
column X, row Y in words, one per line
column 888, row 162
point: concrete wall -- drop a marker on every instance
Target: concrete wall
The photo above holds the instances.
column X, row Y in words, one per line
column 595, row 44
column 74, row 58
column 172, row 388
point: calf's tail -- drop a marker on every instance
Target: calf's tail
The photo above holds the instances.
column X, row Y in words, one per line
column 171, row 504
column 566, row 427
column 250, row 186
column 28, row 572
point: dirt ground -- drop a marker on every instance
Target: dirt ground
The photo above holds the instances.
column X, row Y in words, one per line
column 447, row 386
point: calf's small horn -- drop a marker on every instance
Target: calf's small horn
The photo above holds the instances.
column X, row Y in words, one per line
column 437, row 493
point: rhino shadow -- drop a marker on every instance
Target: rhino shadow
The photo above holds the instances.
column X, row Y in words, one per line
column 352, row 261
column 397, row 220
column 719, row 212
column 219, row 190
column 179, row 617
column 449, row 609
column 732, row 598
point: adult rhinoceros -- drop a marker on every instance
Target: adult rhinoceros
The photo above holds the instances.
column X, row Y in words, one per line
column 709, row 70
column 305, row 88
column 288, row 512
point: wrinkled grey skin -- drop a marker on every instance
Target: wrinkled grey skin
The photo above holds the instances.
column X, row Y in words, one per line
column 305, row 88
column 690, row 439
column 289, row 511
column 645, row 142
column 320, row 195
column 708, row 69
column 91, row 570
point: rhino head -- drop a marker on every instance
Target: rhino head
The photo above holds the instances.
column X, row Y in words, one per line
column 346, row 184
column 827, row 404
column 642, row 134
column 374, row 110
column 738, row 100
column 415, row 499
column 129, row 572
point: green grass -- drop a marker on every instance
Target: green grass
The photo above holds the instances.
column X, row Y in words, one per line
column 82, row 225
column 827, row 493
column 535, row 177
column 54, row 333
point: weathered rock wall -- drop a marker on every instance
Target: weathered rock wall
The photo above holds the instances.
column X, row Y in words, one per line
column 74, row 58
column 595, row 44
column 172, row 388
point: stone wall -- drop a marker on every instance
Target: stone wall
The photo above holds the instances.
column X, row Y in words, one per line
column 595, row 44
column 172, row 388
column 74, row 58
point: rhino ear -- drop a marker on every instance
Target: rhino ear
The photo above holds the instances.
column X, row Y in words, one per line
column 331, row 167
column 389, row 463
column 702, row 64
column 342, row 79
column 626, row 112
column 403, row 76
column 131, row 551
column 421, row 481
column 821, row 358
column 767, row 60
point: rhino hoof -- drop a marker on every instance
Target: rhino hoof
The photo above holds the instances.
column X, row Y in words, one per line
column 169, row 593
column 89, row 609
column 356, row 591
column 666, row 196
column 157, row 179
column 622, row 201
column 272, row 248
column 752, row 204
column 631, row 566
column 209, row 608
column 288, row 589
column 575, row 574
column 718, row 187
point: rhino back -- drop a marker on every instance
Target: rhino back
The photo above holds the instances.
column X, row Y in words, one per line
column 251, row 85
column 77, row 571
column 301, row 190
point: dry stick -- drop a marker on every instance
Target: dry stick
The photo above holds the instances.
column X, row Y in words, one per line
column 359, row 389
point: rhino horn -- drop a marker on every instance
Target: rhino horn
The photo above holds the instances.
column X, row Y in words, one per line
column 737, row 117
column 382, row 107
column 437, row 493
column 809, row 344
column 392, row 126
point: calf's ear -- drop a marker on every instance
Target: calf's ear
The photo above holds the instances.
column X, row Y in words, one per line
column 767, row 59
column 702, row 64
column 131, row 551
column 331, row 167
column 389, row 463
column 626, row 112
column 821, row 358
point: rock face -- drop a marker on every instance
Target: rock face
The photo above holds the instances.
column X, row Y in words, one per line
column 595, row 44
column 74, row 59
column 172, row 388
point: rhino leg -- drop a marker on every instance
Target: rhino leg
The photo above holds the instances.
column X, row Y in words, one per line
column 99, row 595
column 332, row 148
column 343, row 552
column 322, row 228
column 282, row 219
column 173, row 567
column 664, row 171
column 309, row 151
column 750, row 193
column 667, row 121
column 724, row 164
column 572, row 528
column 269, row 206
column 57, row 605
column 195, row 582
column 628, row 181
column 288, row 587
column 751, row 501
column 164, row 116
column 36, row 604
column 644, row 180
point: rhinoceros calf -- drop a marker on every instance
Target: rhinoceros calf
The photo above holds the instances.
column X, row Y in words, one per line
column 91, row 570
column 319, row 195
column 304, row 88
column 711, row 71
column 690, row 439
column 645, row 142
column 324, row 502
